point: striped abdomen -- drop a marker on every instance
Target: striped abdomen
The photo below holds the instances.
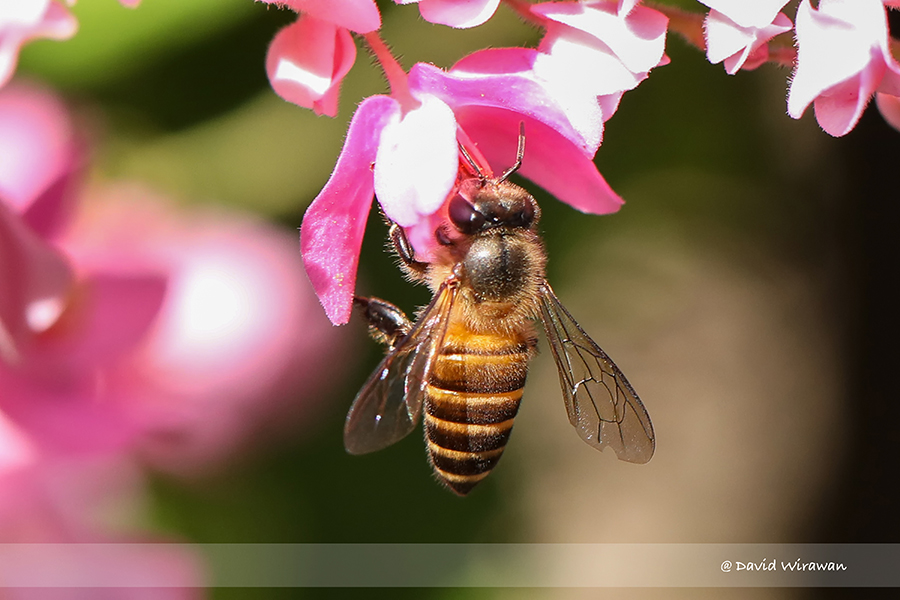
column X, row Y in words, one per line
column 470, row 403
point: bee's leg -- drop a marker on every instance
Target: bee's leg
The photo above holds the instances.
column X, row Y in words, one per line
column 405, row 250
column 387, row 323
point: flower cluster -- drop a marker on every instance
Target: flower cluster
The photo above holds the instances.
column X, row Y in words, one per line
column 130, row 332
column 842, row 58
column 402, row 147
column 478, row 103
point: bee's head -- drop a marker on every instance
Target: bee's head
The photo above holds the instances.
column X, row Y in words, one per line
column 483, row 204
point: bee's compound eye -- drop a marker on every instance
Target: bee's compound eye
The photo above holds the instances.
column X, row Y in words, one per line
column 464, row 216
column 526, row 215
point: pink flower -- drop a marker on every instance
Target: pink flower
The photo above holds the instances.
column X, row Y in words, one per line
column 737, row 33
column 39, row 159
column 409, row 158
column 62, row 438
column 361, row 16
column 111, row 335
column 843, row 59
column 54, row 522
column 307, row 61
column 238, row 345
column 597, row 51
column 25, row 20
column 455, row 13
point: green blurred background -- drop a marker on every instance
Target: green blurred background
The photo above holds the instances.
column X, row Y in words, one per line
column 745, row 288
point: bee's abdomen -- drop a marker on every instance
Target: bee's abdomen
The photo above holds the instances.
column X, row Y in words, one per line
column 470, row 403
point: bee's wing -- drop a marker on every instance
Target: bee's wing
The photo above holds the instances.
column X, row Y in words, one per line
column 388, row 405
column 602, row 405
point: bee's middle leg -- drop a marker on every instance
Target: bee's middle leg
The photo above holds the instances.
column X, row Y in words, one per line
column 387, row 323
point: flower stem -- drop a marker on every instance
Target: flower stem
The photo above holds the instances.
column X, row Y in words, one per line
column 393, row 72
column 782, row 50
column 687, row 24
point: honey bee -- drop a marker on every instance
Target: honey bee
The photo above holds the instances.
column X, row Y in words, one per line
column 465, row 358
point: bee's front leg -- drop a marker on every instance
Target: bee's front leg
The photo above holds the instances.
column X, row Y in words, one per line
column 405, row 250
column 387, row 323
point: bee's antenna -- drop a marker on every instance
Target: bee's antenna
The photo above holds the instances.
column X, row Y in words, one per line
column 471, row 161
column 520, row 154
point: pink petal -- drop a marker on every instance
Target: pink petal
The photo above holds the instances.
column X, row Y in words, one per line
column 333, row 226
column 551, row 160
column 465, row 86
column 35, row 279
column 626, row 6
column 225, row 350
column 64, row 412
column 49, row 214
column 22, row 21
column 754, row 14
column 130, row 3
column 839, row 108
column 568, row 55
column 609, row 104
column 489, row 108
column 94, row 566
column 727, row 41
column 638, row 40
column 219, row 357
column 112, row 316
column 835, row 44
column 36, row 143
column 562, row 62
column 458, row 13
column 578, row 104
column 724, row 37
column 307, row 61
column 889, row 107
column 16, row 449
column 361, row 16
column 749, row 58
column 417, row 162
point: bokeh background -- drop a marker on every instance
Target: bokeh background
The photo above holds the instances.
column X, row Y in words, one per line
column 747, row 288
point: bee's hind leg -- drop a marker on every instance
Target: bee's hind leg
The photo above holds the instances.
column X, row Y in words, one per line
column 387, row 323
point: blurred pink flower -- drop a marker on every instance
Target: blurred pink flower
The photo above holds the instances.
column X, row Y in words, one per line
column 238, row 345
column 57, row 518
column 737, row 33
column 455, row 13
column 596, row 51
column 129, row 329
column 39, row 160
column 306, row 62
column 843, row 59
column 25, row 20
column 409, row 158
